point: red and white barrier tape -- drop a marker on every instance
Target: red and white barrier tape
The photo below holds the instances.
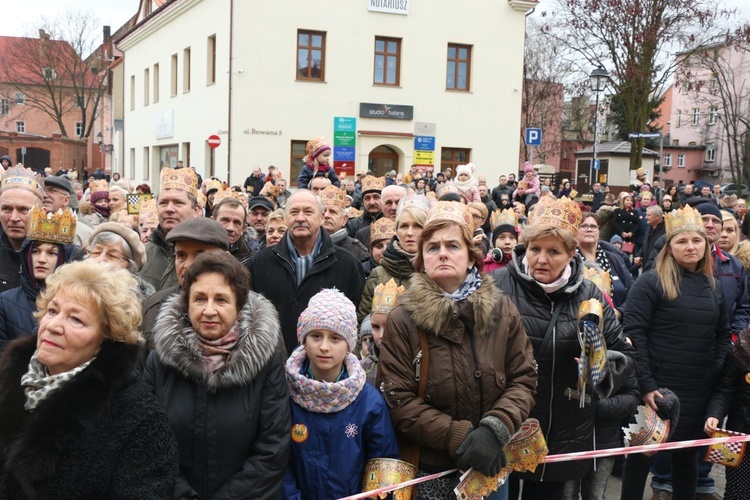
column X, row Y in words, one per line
column 568, row 457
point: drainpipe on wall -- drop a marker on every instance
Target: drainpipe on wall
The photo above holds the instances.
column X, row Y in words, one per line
column 229, row 101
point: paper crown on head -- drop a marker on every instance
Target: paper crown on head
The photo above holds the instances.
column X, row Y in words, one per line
column 272, row 190
column 600, row 278
column 201, row 198
column 418, row 202
column 563, row 213
column 58, row 227
column 214, row 185
column 503, row 217
column 683, row 219
column 333, row 196
column 148, row 211
column 382, row 229
column 316, row 146
column 386, row 297
column 353, row 213
column 99, row 186
column 19, row 177
column 371, row 183
column 451, row 211
column 183, row 179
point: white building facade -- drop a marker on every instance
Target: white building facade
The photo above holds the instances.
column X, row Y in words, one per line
column 390, row 83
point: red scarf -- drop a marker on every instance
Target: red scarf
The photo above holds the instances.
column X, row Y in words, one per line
column 216, row 352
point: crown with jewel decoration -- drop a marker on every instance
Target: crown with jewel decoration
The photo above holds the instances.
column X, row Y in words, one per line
column 19, row 177
column 451, row 211
column 333, row 196
column 382, row 229
column 370, row 183
column 563, row 213
column 418, row 201
column 503, row 217
column 386, row 297
column 684, row 219
column 148, row 211
column 213, row 185
column 59, row 227
column 225, row 193
column 201, row 198
column 99, row 186
column 183, row 179
column 600, row 278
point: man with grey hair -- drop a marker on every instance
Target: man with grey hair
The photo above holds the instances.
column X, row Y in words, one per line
column 284, row 193
column 304, row 261
column 655, row 221
column 318, row 184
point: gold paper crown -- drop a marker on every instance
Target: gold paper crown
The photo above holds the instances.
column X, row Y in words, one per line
column 19, row 177
column 225, row 193
column 592, row 307
column 313, row 144
column 272, row 190
column 684, row 219
column 201, row 198
column 333, row 196
column 523, row 184
column 214, row 184
column 452, row 211
column 382, row 229
column 386, row 297
column 183, row 179
column 599, row 277
column 59, row 227
column 353, row 213
column 500, row 217
column 381, row 472
column 370, row 183
column 148, row 211
column 563, row 213
column 99, row 186
column 415, row 201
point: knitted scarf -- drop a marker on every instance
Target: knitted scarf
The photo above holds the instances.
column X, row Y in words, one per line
column 466, row 185
column 216, row 352
column 470, row 285
column 318, row 396
column 38, row 384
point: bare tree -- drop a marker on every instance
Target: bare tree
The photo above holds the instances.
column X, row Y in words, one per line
column 634, row 39
column 55, row 72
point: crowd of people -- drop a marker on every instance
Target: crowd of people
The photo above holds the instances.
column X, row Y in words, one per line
column 216, row 341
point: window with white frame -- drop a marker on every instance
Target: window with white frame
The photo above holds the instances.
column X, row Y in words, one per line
column 79, row 129
column 667, row 159
column 713, row 115
column 679, row 118
column 696, row 116
column 681, row 160
column 20, row 98
column 20, row 126
column 4, row 106
column 710, row 152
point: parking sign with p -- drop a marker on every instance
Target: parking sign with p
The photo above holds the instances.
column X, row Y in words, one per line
column 533, row 137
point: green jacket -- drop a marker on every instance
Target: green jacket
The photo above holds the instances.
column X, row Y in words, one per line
column 159, row 269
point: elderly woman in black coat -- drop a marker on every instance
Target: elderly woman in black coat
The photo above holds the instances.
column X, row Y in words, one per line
column 75, row 419
column 217, row 368
column 677, row 318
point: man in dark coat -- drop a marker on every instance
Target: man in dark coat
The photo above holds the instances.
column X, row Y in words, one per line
column 334, row 220
column 598, row 196
column 254, row 183
column 303, row 262
column 655, row 221
column 501, row 189
column 372, row 187
column 232, row 216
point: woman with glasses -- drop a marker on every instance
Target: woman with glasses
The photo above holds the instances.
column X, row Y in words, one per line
column 479, row 213
column 115, row 244
column 607, row 256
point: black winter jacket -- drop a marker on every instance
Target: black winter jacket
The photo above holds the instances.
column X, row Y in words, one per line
column 232, row 425
column 102, row 435
column 611, row 411
column 681, row 343
column 272, row 275
column 364, row 220
column 731, row 396
column 566, row 426
column 10, row 265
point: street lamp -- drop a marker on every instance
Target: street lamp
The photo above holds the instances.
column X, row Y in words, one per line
column 598, row 79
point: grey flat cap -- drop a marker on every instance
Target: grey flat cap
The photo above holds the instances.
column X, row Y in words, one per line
column 59, row 182
column 201, row 230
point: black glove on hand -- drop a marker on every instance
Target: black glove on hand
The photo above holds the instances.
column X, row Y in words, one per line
column 483, row 447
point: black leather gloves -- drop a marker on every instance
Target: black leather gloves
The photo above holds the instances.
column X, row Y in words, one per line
column 483, row 447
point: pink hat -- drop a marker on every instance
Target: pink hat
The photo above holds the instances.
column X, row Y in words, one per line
column 528, row 167
column 331, row 310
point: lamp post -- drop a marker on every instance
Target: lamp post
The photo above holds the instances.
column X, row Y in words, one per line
column 104, row 149
column 598, row 79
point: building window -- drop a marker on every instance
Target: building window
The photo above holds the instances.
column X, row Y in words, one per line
column 710, row 152
column 675, row 142
column 681, row 160
column 146, row 163
column 156, row 83
column 713, row 115
column 667, row 159
column 20, row 98
column 685, row 86
column 79, row 129
column 186, row 70
column 295, row 158
column 459, row 67
column 387, row 61
column 132, row 92
column 4, row 107
column 696, row 116
column 311, row 55
column 679, row 118
column 173, row 85
column 132, row 164
column 714, row 83
column 146, row 86
column 452, row 157
column 48, row 74
column 211, row 60
column 20, row 126
column 79, row 101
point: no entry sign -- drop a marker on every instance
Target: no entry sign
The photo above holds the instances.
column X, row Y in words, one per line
column 214, row 141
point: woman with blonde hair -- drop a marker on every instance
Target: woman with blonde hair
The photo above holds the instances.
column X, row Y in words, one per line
column 729, row 239
column 76, row 421
column 676, row 316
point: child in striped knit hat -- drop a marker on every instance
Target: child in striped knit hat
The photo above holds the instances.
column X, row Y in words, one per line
column 339, row 422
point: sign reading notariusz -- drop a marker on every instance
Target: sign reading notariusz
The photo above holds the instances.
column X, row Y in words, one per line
column 388, row 111
column 389, row 6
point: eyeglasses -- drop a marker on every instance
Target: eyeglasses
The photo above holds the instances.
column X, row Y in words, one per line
column 109, row 255
column 589, row 227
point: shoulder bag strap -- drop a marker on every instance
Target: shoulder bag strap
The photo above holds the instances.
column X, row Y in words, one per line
column 550, row 329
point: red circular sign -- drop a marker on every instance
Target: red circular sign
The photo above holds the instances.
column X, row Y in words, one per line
column 214, row 141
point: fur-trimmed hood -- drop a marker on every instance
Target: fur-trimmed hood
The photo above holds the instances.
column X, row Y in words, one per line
column 176, row 343
column 432, row 311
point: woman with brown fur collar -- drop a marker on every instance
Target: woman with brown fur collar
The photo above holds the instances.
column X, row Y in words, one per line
column 481, row 372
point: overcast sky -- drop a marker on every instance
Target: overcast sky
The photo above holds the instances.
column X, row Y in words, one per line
column 19, row 14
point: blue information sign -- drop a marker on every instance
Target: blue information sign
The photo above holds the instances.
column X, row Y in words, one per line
column 424, row 143
column 343, row 153
column 344, row 124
